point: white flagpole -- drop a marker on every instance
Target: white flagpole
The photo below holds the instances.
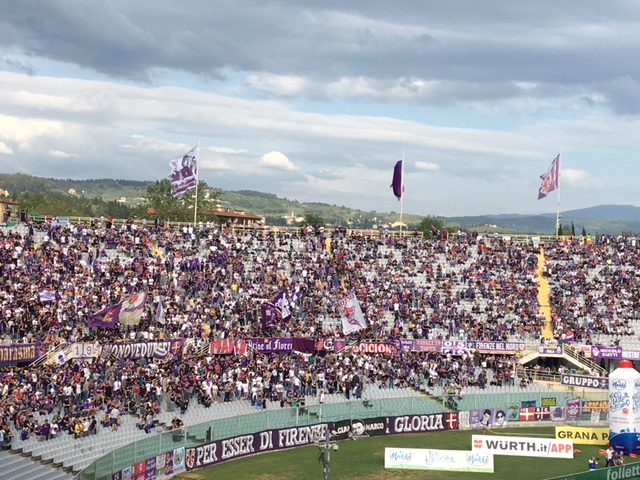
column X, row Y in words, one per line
column 558, row 197
column 195, row 206
column 402, row 192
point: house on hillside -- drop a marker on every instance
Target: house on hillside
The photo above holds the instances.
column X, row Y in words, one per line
column 240, row 219
column 232, row 217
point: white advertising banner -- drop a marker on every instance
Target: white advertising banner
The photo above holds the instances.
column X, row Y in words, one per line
column 429, row 459
column 523, row 446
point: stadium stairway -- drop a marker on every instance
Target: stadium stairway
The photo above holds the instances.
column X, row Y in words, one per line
column 17, row 467
column 544, row 298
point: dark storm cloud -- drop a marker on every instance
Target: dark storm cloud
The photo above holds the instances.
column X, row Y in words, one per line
column 475, row 50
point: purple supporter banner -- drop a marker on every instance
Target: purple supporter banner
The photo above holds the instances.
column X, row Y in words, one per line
column 574, row 406
column 453, row 347
column 433, row 422
column 420, row 345
column 157, row 350
column 271, row 345
column 407, row 345
column 550, row 349
column 601, row 351
column 331, row 344
column 280, row 438
column 373, row 348
column 498, row 347
column 584, row 381
column 354, row 428
column 28, row 352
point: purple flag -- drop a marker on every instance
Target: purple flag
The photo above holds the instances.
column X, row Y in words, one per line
column 184, row 172
column 574, row 408
column 282, row 303
column 398, row 184
column 270, row 315
column 550, row 178
column 49, row 296
column 106, row 318
column 304, row 345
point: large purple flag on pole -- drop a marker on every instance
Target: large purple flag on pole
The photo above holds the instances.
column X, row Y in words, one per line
column 550, row 178
column 184, row 172
column 397, row 184
column 106, row 318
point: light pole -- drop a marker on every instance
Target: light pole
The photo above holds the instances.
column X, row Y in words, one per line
column 325, row 453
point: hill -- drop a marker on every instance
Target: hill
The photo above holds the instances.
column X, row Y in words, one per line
column 611, row 219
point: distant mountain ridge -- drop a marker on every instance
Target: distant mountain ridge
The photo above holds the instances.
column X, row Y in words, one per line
column 610, row 219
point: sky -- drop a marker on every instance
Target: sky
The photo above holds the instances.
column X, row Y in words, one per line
column 316, row 101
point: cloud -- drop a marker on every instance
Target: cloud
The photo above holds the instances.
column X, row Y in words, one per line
column 579, row 179
column 4, row 149
column 428, row 166
column 61, row 154
column 277, row 159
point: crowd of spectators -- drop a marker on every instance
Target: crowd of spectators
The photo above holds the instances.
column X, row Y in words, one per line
column 211, row 281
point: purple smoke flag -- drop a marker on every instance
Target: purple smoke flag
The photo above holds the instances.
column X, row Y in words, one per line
column 550, row 178
column 106, row 318
column 184, row 172
column 132, row 307
column 398, row 184
column 270, row 315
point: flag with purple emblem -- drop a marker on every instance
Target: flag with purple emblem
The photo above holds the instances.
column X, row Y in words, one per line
column 397, row 184
column 550, row 178
column 184, row 172
column 132, row 308
column 351, row 314
column 282, row 303
column 270, row 315
column 106, row 318
column 49, row 296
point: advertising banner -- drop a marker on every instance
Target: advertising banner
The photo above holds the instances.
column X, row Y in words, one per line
column 429, row 459
column 584, row 435
column 523, row 446
column 612, row 473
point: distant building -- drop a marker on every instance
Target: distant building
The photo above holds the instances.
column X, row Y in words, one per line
column 8, row 210
column 72, row 191
column 122, row 200
column 242, row 219
column 291, row 219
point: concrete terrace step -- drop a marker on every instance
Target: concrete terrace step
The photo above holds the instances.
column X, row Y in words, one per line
column 17, row 467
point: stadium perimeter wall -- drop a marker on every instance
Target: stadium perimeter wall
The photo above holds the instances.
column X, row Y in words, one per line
column 167, row 454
